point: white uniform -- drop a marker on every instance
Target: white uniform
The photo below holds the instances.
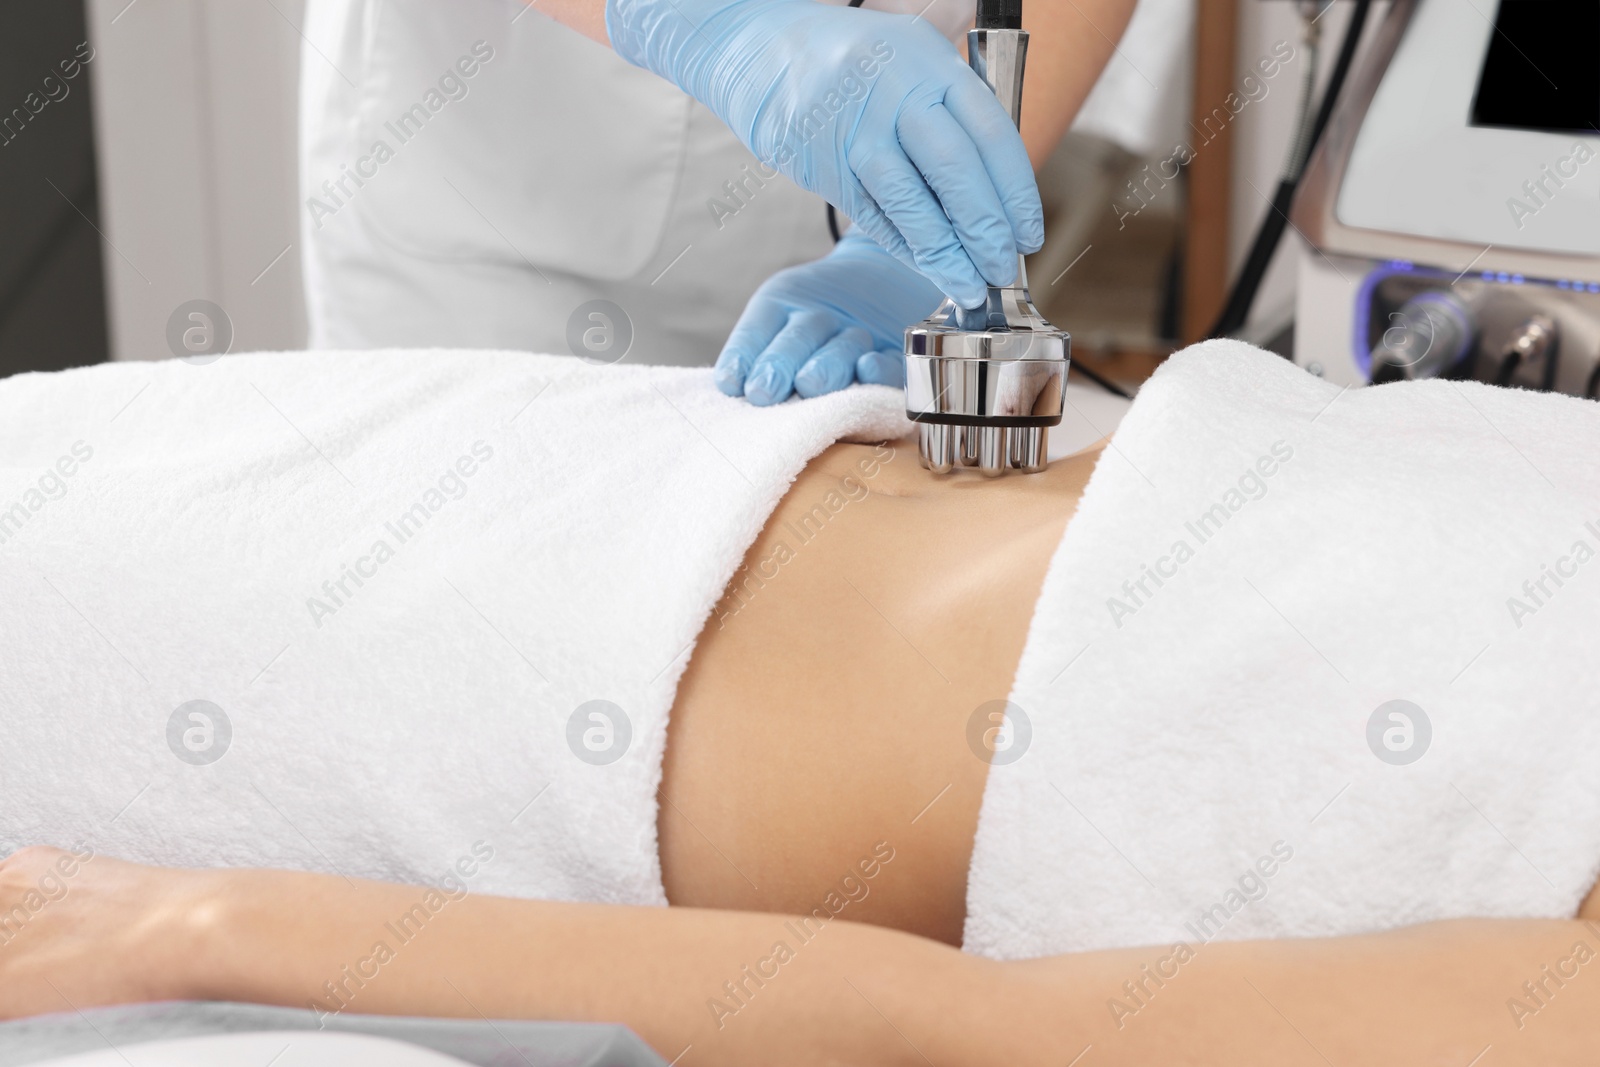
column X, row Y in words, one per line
column 473, row 173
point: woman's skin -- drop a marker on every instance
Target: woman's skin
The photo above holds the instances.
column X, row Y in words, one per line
column 1071, row 42
column 822, row 711
column 793, row 748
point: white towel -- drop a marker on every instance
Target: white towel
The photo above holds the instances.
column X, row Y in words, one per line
column 551, row 534
column 1199, row 763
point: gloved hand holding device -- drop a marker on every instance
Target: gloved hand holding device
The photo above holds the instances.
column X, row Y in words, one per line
column 822, row 326
column 876, row 113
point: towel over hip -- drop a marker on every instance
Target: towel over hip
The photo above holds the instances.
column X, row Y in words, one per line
column 1307, row 662
column 416, row 616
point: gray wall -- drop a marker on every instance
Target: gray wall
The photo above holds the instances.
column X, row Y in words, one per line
column 52, row 308
column 195, row 108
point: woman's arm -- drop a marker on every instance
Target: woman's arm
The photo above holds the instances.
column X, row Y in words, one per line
column 112, row 932
column 1441, row 994
column 859, row 994
column 588, row 17
column 1071, row 42
column 733, row 988
column 714, row 987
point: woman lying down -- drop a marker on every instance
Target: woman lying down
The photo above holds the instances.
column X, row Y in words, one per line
column 419, row 683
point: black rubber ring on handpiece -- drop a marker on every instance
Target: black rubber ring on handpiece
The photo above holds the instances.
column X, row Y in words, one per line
column 999, row 14
column 1014, row 422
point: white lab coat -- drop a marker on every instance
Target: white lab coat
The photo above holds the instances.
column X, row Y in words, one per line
column 473, row 173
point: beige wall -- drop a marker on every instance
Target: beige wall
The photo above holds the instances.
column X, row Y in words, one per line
column 195, row 127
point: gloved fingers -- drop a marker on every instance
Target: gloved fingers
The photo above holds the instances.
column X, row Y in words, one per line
column 833, row 366
column 870, row 220
column 760, row 323
column 901, row 193
column 881, row 368
column 973, row 104
column 954, row 170
column 771, row 379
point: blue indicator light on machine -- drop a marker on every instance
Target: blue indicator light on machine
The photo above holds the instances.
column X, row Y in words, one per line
column 1563, row 284
column 1503, row 276
column 1519, row 279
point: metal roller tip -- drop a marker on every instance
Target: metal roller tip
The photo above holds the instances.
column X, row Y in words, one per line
column 992, row 450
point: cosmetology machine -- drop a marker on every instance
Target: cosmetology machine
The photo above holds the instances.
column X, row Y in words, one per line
column 1454, row 204
column 985, row 385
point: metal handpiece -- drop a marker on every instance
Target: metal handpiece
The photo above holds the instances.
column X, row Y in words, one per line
column 985, row 384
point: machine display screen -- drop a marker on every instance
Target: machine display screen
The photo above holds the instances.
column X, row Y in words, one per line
column 1543, row 67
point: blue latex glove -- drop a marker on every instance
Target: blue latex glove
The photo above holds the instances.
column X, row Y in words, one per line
column 818, row 327
column 876, row 113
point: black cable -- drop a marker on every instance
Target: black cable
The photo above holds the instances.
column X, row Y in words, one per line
column 1341, row 70
column 833, row 216
column 1243, row 295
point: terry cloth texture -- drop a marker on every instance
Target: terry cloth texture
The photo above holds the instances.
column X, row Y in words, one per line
column 351, row 612
column 1206, row 745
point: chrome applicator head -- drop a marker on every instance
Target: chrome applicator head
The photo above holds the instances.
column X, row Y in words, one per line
column 984, row 385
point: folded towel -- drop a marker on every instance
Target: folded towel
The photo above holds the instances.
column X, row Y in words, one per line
column 351, row 611
column 1307, row 662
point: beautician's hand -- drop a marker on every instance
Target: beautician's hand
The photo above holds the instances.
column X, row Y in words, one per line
column 818, row 327
column 876, row 113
